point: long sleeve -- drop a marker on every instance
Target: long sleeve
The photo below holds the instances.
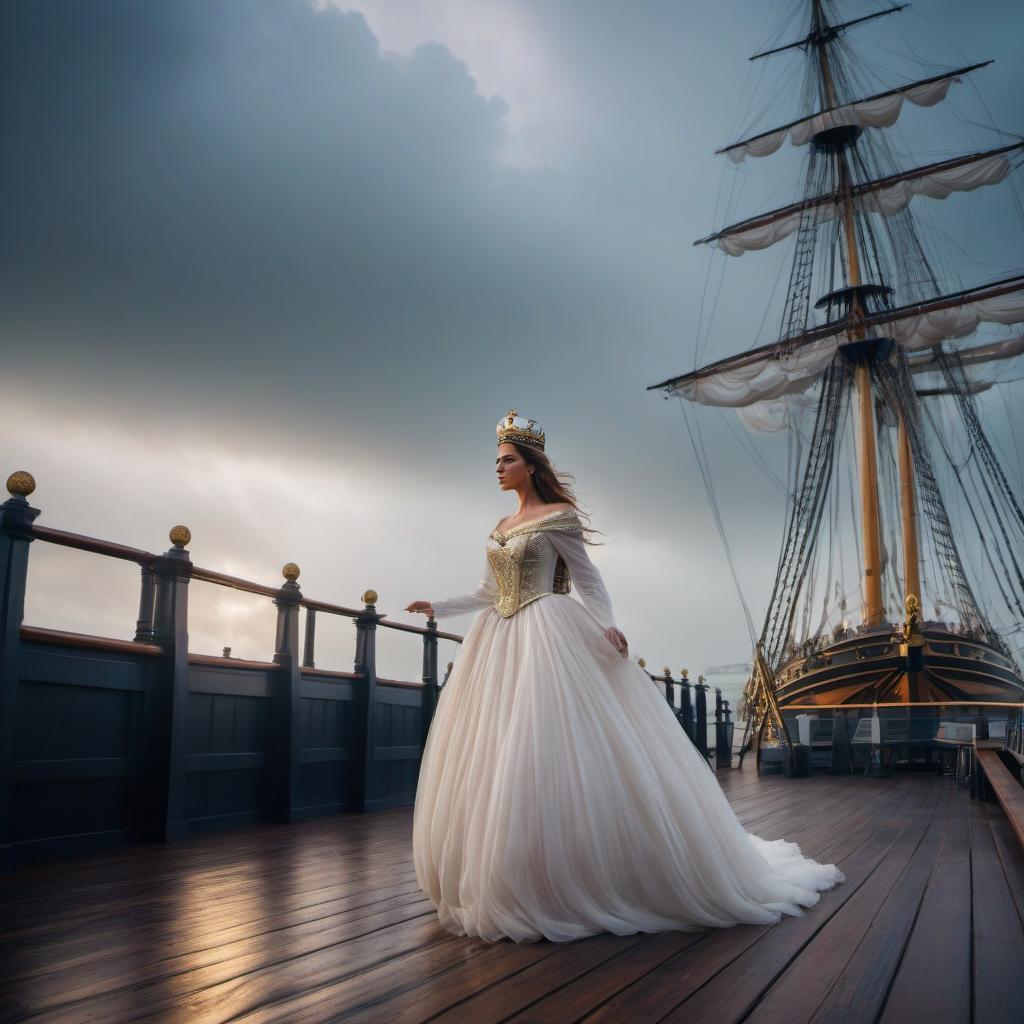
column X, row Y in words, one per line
column 483, row 597
column 584, row 575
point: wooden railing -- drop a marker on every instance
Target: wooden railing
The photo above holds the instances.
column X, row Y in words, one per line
column 993, row 776
column 105, row 740
column 688, row 702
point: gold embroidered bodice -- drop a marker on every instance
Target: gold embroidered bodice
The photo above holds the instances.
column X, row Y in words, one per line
column 533, row 560
column 525, row 563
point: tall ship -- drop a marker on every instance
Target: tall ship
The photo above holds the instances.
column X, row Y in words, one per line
column 898, row 601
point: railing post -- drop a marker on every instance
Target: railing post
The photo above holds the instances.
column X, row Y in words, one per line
column 147, row 601
column 668, row 680
column 310, row 640
column 430, row 679
column 364, row 739
column 730, row 727
column 686, row 701
column 16, row 518
column 701, row 717
column 286, row 700
column 723, row 755
column 163, row 811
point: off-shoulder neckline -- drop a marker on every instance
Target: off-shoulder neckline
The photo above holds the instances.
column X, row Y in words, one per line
column 532, row 522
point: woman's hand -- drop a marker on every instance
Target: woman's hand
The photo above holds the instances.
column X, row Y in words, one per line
column 421, row 606
column 617, row 640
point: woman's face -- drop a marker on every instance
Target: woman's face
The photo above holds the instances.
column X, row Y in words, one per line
column 513, row 472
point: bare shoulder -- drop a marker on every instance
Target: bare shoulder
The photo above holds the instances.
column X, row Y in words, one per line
column 508, row 522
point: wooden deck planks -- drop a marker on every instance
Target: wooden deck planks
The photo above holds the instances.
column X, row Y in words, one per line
column 885, row 847
column 933, row 980
column 1008, row 849
column 996, row 930
column 849, row 965
column 863, row 976
column 323, row 921
column 695, row 967
column 581, row 996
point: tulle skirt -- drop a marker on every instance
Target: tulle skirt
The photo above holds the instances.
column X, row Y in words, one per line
column 559, row 797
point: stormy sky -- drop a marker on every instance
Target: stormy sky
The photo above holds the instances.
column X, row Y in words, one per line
column 273, row 269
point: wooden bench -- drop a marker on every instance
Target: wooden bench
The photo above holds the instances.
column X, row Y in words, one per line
column 1009, row 792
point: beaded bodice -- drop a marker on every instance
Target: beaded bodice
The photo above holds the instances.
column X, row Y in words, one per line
column 525, row 564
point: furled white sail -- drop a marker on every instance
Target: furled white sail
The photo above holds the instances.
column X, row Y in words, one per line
column 764, row 377
column 738, row 240
column 774, row 414
column 879, row 111
column 789, row 368
column 887, row 196
column 929, row 328
column 1004, row 348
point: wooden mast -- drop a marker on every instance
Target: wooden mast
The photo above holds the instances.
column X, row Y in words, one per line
column 908, row 515
column 870, row 524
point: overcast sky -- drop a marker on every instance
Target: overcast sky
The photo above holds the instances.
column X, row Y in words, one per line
column 273, row 269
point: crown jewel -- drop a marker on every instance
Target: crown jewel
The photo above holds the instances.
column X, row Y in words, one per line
column 514, row 429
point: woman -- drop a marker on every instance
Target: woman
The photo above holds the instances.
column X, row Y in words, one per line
column 558, row 797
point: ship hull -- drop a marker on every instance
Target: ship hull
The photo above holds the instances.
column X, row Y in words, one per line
column 912, row 692
column 871, row 669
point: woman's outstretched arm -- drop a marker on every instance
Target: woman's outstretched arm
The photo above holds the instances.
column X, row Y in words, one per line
column 483, row 597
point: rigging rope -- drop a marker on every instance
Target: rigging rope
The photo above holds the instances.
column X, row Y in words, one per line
column 705, row 471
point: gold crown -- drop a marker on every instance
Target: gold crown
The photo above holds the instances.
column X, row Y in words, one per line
column 513, row 429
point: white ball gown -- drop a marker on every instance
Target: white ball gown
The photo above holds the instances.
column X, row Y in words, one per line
column 558, row 796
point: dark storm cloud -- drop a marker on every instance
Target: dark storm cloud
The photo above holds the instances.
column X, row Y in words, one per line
column 261, row 159
column 251, row 192
column 244, row 214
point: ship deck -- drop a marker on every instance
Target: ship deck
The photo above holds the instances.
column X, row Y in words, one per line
column 323, row 921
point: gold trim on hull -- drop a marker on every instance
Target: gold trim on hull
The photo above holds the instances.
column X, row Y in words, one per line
column 942, row 669
column 915, row 704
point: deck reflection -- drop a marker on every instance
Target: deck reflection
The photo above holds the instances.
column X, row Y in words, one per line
column 324, row 921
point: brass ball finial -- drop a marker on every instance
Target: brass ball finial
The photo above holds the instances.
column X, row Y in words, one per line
column 21, row 484
column 370, row 597
column 180, row 535
column 685, row 672
column 666, row 671
column 641, row 662
column 290, row 572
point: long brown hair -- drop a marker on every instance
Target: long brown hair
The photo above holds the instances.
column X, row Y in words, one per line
column 553, row 485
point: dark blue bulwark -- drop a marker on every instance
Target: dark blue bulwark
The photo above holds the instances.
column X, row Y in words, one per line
column 327, row 721
column 93, row 761
column 396, row 760
column 108, row 741
column 228, row 759
column 79, row 752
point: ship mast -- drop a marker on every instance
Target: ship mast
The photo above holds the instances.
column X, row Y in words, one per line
column 908, row 514
column 870, row 523
column 867, row 340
